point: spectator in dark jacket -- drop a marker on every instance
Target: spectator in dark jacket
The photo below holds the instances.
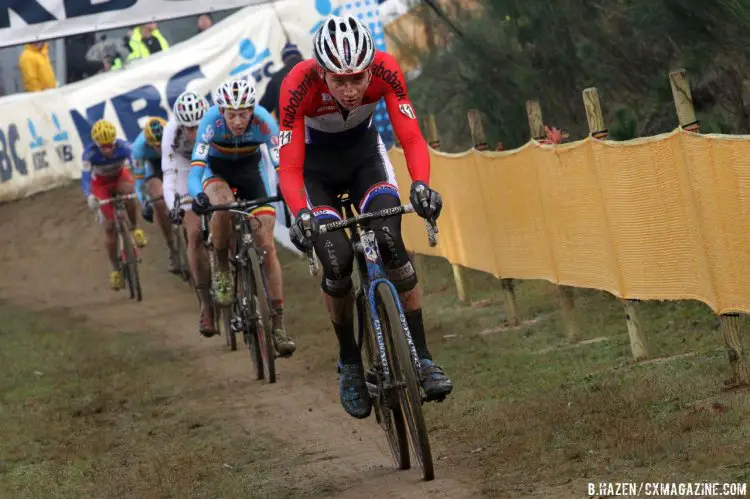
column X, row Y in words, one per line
column 290, row 56
column 78, row 66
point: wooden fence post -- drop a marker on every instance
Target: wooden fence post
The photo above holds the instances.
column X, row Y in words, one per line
column 433, row 140
column 509, row 293
column 730, row 328
column 598, row 130
column 566, row 296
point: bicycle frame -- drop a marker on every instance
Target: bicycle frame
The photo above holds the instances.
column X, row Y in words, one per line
column 120, row 212
column 247, row 240
column 372, row 273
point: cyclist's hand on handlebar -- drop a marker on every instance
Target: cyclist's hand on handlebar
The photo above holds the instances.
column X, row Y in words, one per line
column 92, row 201
column 304, row 230
column 201, row 203
column 427, row 202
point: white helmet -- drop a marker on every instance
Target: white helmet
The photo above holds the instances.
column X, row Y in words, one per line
column 189, row 108
column 236, row 94
column 343, row 45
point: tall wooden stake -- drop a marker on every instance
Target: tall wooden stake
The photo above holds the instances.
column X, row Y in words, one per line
column 598, row 130
column 566, row 296
column 509, row 293
column 434, row 141
column 730, row 327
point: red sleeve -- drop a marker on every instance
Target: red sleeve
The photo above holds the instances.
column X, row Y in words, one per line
column 294, row 96
column 403, row 117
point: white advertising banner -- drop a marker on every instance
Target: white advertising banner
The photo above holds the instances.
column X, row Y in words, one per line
column 23, row 21
column 42, row 135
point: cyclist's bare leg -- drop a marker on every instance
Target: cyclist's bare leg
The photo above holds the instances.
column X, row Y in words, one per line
column 264, row 235
column 337, row 258
column 411, row 300
column 125, row 187
column 198, row 263
column 110, row 242
column 154, row 189
column 341, row 310
column 196, row 252
column 218, row 192
column 352, row 388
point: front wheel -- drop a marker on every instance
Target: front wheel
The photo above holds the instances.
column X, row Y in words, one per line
column 226, row 325
column 405, row 374
column 227, row 312
column 388, row 415
column 262, row 316
column 247, row 305
column 130, row 262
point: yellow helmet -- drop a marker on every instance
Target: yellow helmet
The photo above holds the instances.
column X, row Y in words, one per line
column 154, row 129
column 103, row 132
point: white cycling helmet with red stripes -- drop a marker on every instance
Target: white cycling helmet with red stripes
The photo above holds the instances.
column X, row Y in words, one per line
column 343, row 45
column 189, row 108
column 236, row 94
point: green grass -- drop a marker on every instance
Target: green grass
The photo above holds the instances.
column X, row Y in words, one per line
column 86, row 413
column 532, row 413
column 529, row 408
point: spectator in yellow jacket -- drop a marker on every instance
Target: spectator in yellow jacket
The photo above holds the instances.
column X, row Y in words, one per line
column 145, row 41
column 36, row 68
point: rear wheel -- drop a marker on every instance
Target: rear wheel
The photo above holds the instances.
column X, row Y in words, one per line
column 388, row 415
column 403, row 371
column 262, row 316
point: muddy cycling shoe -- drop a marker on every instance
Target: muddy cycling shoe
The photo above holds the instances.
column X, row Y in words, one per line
column 140, row 237
column 115, row 280
column 434, row 381
column 284, row 344
column 353, row 390
column 223, row 292
column 173, row 262
column 206, row 324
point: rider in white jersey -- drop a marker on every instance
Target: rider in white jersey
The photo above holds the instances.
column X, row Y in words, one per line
column 177, row 149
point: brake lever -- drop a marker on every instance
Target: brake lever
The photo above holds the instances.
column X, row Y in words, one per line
column 312, row 262
column 432, row 231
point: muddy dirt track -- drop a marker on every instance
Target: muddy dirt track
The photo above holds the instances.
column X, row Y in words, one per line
column 51, row 257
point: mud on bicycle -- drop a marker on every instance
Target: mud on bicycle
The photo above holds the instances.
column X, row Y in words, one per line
column 128, row 253
column 391, row 360
column 250, row 313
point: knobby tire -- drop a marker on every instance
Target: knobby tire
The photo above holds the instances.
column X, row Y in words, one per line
column 248, row 314
column 131, row 262
column 264, row 326
column 226, row 312
column 389, row 415
column 404, row 371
